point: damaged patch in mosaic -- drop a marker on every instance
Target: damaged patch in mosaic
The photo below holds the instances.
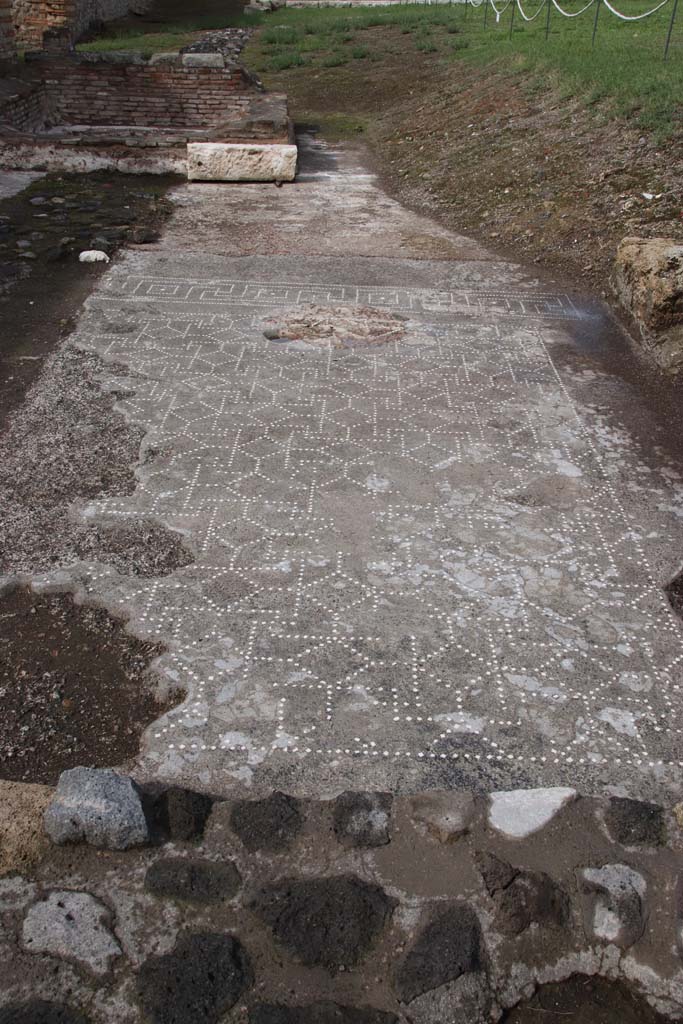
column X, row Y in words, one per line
column 336, row 326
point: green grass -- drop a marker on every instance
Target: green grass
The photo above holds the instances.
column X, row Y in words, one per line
column 624, row 71
column 176, row 34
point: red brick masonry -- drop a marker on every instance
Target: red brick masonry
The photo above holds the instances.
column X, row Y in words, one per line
column 80, row 90
column 100, row 93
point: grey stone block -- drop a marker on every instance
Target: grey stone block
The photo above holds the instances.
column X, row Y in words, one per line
column 96, row 806
column 72, row 926
column 613, row 904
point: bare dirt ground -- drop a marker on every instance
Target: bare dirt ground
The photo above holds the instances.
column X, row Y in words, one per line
column 73, row 680
column 74, row 687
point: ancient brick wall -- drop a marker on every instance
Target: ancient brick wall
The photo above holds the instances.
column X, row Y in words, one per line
column 33, row 17
column 24, row 110
column 7, row 39
column 101, row 92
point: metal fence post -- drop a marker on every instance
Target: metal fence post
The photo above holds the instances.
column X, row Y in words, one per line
column 598, row 5
column 671, row 28
column 486, row 11
column 512, row 16
column 547, row 22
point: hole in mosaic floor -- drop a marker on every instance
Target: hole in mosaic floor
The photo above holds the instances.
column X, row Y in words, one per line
column 336, row 326
column 674, row 591
column 584, row 1000
column 75, row 687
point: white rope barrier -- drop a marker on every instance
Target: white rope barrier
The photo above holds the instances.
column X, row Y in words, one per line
column 567, row 14
column 573, row 14
column 533, row 17
column 502, row 10
column 634, row 17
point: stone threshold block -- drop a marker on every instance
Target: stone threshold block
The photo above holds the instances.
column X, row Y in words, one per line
column 241, row 161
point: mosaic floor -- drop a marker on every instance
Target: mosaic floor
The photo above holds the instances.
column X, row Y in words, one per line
column 414, row 562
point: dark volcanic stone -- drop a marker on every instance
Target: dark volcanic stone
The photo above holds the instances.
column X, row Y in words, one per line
column 634, row 822
column 531, row 897
column 269, row 824
column 102, row 244
column 496, row 873
column 198, row 881
column 180, row 813
column 142, row 235
column 362, row 819
column 325, row 921
column 197, row 983
column 449, row 946
column 318, row 1013
column 37, row 1011
column 522, row 897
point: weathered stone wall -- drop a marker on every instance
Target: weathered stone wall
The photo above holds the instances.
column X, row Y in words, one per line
column 33, row 17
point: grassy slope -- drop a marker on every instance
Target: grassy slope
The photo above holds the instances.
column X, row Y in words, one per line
column 625, row 66
column 543, row 149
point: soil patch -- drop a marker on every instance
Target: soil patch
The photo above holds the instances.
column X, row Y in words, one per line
column 75, row 687
column 42, row 284
column 580, row 1000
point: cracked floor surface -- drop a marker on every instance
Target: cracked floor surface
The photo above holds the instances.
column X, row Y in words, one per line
column 434, row 562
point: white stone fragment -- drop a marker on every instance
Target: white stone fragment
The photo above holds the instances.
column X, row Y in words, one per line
column 613, row 904
column 240, row 161
column 93, row 256
column 72, row 926
column 203, row 60
column 518, row 813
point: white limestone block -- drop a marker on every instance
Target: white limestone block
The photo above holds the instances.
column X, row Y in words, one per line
column 520, row 812
column 240, row 161
column 203, row 60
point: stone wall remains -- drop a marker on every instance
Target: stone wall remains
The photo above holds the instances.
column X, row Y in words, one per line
column 145, row 94
column 33, row 17
column 85, row 91
column 7, row 35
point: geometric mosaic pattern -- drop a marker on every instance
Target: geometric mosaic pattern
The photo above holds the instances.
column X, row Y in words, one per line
column 412, row 560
